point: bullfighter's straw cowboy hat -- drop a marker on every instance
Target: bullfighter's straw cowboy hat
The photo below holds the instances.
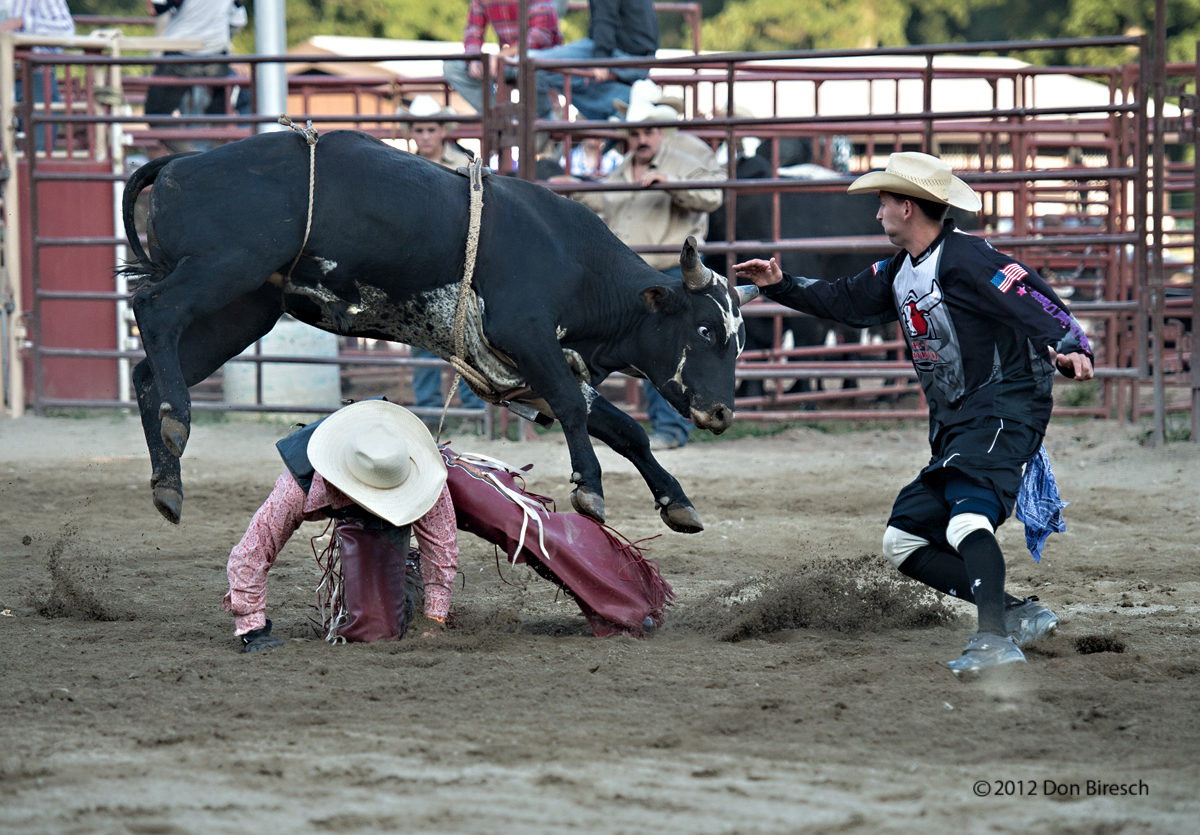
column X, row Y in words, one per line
column 919, row 175
column 381, row 456
column 426, row 106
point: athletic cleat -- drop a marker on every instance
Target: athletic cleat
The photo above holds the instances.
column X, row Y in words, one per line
column 986, row 650
column 1029, row 620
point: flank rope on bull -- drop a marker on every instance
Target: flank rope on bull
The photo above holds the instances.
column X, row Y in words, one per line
column 310, row 136
column 462, row 370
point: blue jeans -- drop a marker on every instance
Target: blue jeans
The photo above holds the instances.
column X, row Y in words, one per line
column 44, row 135
column 427, row 386
column 593, row 99
column 664, row 420
column 459, row 77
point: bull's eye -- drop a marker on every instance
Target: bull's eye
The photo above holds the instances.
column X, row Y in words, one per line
column 705, row 333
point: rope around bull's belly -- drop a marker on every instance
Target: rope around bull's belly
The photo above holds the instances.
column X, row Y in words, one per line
column 482, row 384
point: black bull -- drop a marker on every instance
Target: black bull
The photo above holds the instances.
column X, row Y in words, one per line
column 560, row 298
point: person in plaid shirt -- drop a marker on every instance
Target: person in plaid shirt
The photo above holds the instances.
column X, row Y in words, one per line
column 466, row 77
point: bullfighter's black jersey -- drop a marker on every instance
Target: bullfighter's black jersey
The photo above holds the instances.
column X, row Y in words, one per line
column 977, row 324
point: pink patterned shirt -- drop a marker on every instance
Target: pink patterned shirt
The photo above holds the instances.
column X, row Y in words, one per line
column 283, row 512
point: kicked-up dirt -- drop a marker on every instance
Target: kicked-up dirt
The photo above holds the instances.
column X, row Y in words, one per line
column 799, row 685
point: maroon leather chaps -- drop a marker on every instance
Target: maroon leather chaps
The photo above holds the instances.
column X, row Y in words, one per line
column 618, row 590
column 375, row 606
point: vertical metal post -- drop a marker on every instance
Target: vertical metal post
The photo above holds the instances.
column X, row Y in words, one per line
column 270, row 38
column 1156, row 276
column 527, row 165
column 489, row 126
column 121, row 283
column 730, row 172
column 1140, row 210
column 1194, row 375
column 927, row 144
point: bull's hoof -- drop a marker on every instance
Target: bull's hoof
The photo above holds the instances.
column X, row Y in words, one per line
column 169, row 502
column 174, row 432
column 588, row 504
column 681, row 517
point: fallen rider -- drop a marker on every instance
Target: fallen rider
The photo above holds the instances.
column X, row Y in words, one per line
column 349, row 467
column 374, row 468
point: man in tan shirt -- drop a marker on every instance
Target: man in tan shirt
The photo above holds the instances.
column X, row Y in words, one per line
column 651, row 217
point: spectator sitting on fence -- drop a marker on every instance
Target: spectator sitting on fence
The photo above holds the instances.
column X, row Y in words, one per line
column 213, row 22
column 467, row 77
column 432, row 143
column 616, row 29
column 653, row 217
column 49, row 18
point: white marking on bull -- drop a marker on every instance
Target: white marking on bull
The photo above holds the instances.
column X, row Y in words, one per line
column 327, row 266
column 589, row 395
column 560, row 333
column 678, row 378
column 730, row 318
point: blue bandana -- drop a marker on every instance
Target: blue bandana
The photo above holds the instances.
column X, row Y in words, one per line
column 1038, row 504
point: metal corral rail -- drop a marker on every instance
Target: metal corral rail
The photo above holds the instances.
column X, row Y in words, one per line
column 96, row 131
column 1082, row 166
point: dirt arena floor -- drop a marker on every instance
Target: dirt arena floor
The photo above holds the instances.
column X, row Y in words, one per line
column 797, row 688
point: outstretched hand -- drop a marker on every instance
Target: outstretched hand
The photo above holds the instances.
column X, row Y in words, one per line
column 759, row 272
column 1075, row 365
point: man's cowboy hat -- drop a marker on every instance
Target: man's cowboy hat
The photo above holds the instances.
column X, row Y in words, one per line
column 381, row 456
column 425, row 105
column 647, row 103
column 919, row 175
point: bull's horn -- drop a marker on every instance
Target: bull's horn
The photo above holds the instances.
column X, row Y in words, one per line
column 746, row 293
column 696, row 276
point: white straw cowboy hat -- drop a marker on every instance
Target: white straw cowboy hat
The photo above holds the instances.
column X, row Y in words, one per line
column 426, row 106
column 647, row 103
column 919, row 175
column 381, row 456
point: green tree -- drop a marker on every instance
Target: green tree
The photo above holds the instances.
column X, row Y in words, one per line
column 758, row 25
column 762, row 25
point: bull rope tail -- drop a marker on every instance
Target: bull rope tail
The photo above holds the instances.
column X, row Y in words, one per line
column 310, row 135
column 461, row 368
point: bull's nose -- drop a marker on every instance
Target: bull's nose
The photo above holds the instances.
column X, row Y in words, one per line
column 717, row 420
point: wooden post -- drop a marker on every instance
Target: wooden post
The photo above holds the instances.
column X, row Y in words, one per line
column 12, row 230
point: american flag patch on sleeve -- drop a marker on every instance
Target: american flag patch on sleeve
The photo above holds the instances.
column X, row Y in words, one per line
column 1005, row 278
column 878, row 267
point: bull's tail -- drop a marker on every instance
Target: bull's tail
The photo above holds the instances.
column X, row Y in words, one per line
column 140, row 266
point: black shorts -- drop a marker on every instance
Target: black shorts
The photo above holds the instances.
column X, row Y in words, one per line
column 977, row 466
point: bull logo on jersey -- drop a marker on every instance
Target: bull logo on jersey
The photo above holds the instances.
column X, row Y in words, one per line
column 915, row 312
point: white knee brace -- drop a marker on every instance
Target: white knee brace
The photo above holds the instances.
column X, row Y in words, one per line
column 899, row 545
column 964, row 524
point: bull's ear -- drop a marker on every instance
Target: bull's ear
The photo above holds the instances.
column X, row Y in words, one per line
column 661, row 299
